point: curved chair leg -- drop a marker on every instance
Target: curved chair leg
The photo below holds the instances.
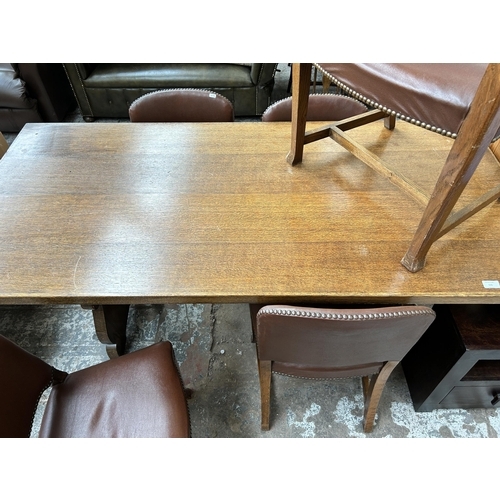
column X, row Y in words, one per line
column 265, row 393
column 372, row 390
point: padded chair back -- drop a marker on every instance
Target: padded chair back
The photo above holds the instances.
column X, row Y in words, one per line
column 322, row 107
column 139, row 394
column 23, row 379
column 435, row 96
column 328, row 343
column 182, row 105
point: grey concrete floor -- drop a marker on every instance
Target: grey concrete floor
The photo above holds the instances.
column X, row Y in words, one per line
column 217, row 360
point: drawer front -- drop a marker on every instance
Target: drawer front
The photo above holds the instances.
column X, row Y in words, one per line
column 472, row 397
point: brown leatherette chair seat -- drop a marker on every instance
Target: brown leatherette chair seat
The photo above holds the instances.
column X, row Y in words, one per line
column 136, row 395
column 460, row 101
column 182, row 105
column 321, row 107
column 321, row 343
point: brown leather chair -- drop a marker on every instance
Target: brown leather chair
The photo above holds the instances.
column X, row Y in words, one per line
column 321, row 107
column 319, row 343
column 460, row 101
column 136, row 395
column 181, row 105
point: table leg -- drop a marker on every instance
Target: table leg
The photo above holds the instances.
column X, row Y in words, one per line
column 111, row 327
column 301, row 82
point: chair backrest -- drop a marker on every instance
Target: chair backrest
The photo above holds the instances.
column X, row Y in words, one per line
column 435, row 96
column 182, row 105
column 315, row 342
column 23, row 379
column 321, row 107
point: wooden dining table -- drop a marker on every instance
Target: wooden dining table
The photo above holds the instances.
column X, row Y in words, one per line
column 106, row 215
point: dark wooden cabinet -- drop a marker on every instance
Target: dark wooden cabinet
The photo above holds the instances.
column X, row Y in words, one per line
column 456, row 363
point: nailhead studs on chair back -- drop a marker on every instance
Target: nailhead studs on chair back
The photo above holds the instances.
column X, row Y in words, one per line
column 182, row 105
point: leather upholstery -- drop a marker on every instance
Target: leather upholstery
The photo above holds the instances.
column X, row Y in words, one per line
column 331, row 343
column 31, row 93
column 108, row 90
column 23, row 379
column 181, row 105
column 321, row 107
column 435, row 96
column 136, row 395
column 16, row 107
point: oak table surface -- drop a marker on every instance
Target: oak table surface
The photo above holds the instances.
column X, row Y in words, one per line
column 135, row 213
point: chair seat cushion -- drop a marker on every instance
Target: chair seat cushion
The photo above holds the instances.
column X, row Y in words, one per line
column 435, row 96
column 136, row 395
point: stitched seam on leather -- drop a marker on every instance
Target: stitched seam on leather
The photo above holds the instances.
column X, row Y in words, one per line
column 49, row 384
column 383, row 108
column 317, row 93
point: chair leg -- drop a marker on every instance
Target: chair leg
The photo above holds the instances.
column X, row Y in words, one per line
column 473, row 139
column 265, row 393
column 372, row 391
column 326, row 82
column 301, row 82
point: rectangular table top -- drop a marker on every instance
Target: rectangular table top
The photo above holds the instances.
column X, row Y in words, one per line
column 134, row 213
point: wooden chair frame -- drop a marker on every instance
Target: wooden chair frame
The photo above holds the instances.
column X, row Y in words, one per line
column 373, row 386
column 472, row 141
column 286, row 339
